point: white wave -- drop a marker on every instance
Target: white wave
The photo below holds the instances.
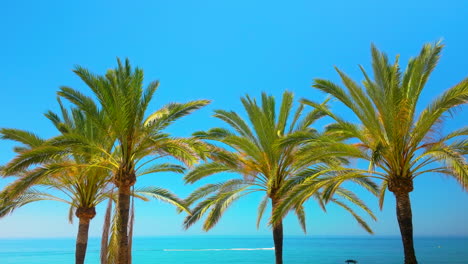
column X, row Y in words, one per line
column 219, row 249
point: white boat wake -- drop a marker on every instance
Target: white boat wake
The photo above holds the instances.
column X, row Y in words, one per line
column 220, row 249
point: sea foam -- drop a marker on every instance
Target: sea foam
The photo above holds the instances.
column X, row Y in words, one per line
column 219, row 249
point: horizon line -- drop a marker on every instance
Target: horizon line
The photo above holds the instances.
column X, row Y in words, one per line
column 252, row 236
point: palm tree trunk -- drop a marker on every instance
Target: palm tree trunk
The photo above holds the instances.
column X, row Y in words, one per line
column 278, row 237
column 130, row 227
column 405, row 220
column 82, row 241
column 278, row 240
column 123, row 207
column 105, row 233
column 84, row 215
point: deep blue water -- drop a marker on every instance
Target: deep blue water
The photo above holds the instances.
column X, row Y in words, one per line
column 188, row 249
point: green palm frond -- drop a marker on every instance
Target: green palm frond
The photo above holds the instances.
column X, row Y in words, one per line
column 453, row 160
column 398, row 142
column 323, row 184
column 261, row 209
column 275, row 150
column 7, row 206
column 457, row 133
column 312, row 117
column 236, row 122
column 39, row 155
column 26, row 138
column 453, row 97
column 359, row 219
column 171, row 112
column 383, row 189
column 180, row 149
column 215, row 206
column 211, row 188
column 205, row 170
column 81, row 101
column 221, row 203
column 164, row 196
column 351, row 197
column 162, row 167
column 26, row 181
column 213, row 134
column 299, row 211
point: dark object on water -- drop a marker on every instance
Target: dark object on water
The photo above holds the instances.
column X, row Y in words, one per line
column 351, row 261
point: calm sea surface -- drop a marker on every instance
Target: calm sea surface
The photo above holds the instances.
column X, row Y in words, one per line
column 208, row 249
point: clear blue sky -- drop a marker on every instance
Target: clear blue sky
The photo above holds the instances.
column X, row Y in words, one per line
column 221, row 50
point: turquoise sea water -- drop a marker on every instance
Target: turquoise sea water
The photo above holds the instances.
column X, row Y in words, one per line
column 209, row 249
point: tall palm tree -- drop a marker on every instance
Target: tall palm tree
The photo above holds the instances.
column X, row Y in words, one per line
column 82, row 187
column 136, row 140
column 264, row 164
column 81, row 195
column 83, row 182
column 393, row 136
column 121, row 111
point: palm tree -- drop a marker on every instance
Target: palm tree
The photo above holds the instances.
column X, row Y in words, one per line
column 258, row 156
column 81, row 195
column 137, row 139
column 83, row 182
column 393, row 136
column 83, row 187
column 121, row 111
column 77, row 192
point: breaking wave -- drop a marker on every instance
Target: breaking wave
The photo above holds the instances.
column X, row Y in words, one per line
column 220, row 249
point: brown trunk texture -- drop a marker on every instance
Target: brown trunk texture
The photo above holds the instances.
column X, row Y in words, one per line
column 84, row 215
column 405, row 220
column 278, row 238
column 123, row 207
column 82, row 241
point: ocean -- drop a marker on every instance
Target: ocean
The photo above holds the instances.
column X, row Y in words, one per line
column 243, row 250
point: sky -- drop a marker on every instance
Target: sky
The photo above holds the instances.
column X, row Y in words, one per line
column 222, row 50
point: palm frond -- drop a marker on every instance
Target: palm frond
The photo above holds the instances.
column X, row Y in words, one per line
column 360, row 221
column 171, row 112
column 164, row 196
column 7, row 206
column 205, row 170
column 162, row 167
column 261, row 209
column 26, row 138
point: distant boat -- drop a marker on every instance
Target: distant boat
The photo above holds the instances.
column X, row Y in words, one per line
column 351, row 261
